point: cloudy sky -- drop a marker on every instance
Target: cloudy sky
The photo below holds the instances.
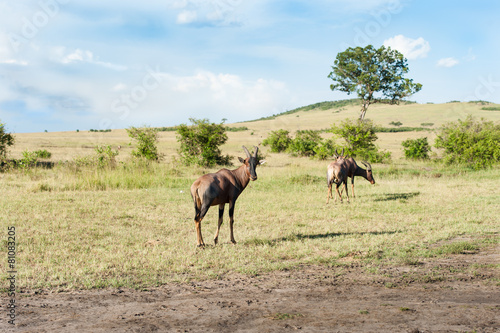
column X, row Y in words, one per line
column 75, row 64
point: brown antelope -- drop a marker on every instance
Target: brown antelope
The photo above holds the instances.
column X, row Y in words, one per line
column 354, row 170
column 337, row 173
column 220, row 188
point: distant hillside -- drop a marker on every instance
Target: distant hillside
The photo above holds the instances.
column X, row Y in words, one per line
column 327, row 105
column 322, row 115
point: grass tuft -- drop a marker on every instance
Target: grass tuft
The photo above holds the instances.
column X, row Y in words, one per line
column 462, row 247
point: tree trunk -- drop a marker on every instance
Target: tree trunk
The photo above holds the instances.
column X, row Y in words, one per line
column 365, row 104
column 363, row 110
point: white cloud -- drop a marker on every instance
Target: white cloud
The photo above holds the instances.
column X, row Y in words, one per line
column 410, row 48
column 447, row 62
column 211, row 13
column 229, row 92
column 204, row 94
column 14, row 62
column 370, row 5
column 120, row 87
column 78, row 55
column 7, row 54
column 83, row 56
column 186, row 17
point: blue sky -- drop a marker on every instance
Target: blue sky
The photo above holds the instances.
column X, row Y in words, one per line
column 70, row 64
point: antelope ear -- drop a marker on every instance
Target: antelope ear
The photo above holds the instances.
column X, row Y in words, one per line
column 241, row 160
column 262, row 162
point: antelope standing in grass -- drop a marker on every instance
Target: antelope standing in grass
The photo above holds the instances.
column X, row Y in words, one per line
column 337, row 173
column 354, row 170
column 220, row 188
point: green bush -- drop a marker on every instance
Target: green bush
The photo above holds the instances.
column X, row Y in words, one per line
column 360, row 137
column 379, row 129
column 29, row 159
column 99, row 131
column 237, row 129
column 325, row 149
column 147, row 139
column 105, row 156
column 491, row 108
column 305, row 143
column 6, row 140
column 200, row 143
column 470, row 142
column 43, row 153
column 417, row 149
column 278, row 141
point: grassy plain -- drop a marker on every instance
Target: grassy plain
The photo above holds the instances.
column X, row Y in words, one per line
column 133, row 225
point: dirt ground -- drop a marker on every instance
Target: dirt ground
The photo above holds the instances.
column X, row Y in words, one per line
column 460, row 293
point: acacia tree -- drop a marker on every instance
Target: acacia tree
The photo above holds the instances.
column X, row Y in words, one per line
column 375, row 75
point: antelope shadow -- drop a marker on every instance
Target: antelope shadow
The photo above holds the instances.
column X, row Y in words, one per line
column 396, row 196
column 300, row 236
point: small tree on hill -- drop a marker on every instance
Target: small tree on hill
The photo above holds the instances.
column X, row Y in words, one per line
column 6, row 140
column 375, row 75
column 200, row 143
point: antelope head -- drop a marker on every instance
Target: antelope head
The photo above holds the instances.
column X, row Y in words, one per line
column 369, row 175
column 251, row 162
column 339, row 156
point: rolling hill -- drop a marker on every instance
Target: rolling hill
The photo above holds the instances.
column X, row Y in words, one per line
column 322, row 115
column 318, row 116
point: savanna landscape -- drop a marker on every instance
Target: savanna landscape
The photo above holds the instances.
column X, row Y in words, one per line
column 113, row 249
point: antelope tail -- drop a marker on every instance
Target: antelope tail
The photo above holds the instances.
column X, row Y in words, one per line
column 197, row 202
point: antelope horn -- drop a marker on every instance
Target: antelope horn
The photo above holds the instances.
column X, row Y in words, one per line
column 342, row 152
column 336, row 153
column 246, row 151
column 367, row 165
column 256, row 150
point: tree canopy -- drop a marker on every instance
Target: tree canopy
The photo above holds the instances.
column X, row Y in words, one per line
column 375, row 75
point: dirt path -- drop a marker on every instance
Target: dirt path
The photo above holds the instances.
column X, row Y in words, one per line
column 457, row 294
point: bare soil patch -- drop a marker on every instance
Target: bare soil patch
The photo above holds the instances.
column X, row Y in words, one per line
column 459, row 293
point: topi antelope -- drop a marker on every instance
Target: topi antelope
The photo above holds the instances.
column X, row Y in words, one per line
column 336, row 173
column 220, row 188
column 354, row 170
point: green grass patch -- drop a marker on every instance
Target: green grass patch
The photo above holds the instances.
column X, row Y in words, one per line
column 285, row 316
column 491, row 108
column 462, row 247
